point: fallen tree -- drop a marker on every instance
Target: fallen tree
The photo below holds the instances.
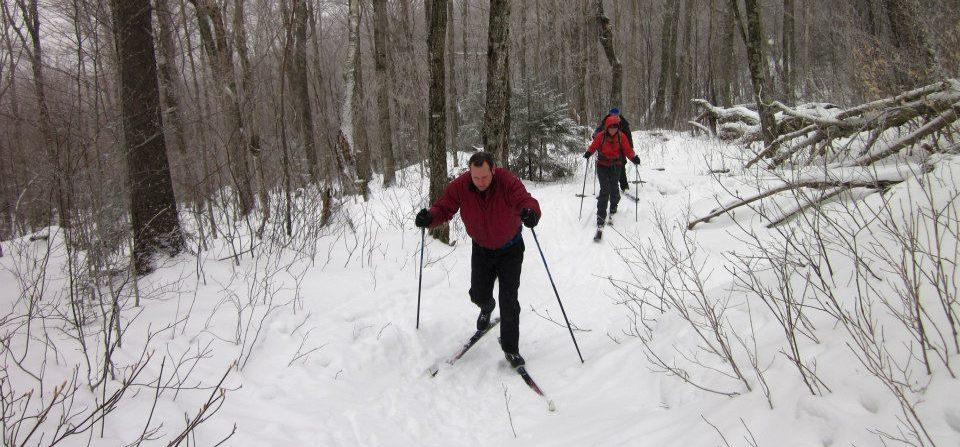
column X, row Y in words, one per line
column 836, row 140
column 832, row 185
column 742, row 122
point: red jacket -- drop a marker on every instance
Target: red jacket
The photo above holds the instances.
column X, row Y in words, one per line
column 492, row 217
column 614, row 148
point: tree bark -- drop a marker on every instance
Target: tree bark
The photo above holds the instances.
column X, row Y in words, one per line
column 668, row 56
column 526, row 158
column 728, row 56
column 453, row 113
column 30, row 13
column 220, row 56
column 789, row 49
column 361, row 145
column 250, row 132
column 300, row 87
column 385, row 86
column 580, row 63
column 591, row 57
column 683, row 68
column 761, row 87
column 917, row 61
column 616, row 68
column 172, row 92
column 153, row 208
column 464, row 26
column 437, row 120
column 496, row 118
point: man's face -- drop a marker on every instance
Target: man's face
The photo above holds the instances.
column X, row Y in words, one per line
column 613, row 129
column 482, row 176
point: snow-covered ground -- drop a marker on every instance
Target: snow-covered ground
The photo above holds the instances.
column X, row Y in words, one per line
column 329, row 354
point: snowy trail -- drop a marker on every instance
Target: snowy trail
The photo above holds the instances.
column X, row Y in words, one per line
column 367, row 385
column 346, row 366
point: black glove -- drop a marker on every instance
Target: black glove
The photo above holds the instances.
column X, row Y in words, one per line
column 423, row 218
column 635, row 159
column 529, row 217
column 587, row 154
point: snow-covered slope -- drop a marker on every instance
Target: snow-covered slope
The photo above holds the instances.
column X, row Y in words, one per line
column 329, row 355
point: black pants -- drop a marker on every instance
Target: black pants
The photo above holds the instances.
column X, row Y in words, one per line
column 609, row 177
column 503, row 265
column 623, row 179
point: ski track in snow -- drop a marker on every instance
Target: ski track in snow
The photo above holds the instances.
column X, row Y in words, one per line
column 367, row 385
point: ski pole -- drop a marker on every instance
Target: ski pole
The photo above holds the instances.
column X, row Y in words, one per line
column 423, row 239
column 595, row 176
column 636, row 206
column 557, row 294
column 583, row 193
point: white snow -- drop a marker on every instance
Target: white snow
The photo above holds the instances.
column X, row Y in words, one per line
column 337, row 360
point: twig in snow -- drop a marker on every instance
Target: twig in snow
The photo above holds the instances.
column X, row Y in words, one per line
column 724, row 438
column 506, row 400
column 573, row 326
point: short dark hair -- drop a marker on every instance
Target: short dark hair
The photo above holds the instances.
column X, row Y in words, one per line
column 480, row 158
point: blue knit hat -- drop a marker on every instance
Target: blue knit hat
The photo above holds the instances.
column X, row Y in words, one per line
column 614, row 111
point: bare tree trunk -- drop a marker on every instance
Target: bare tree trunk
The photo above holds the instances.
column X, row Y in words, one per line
column 606, row 40
column 632, row 59
column 761, row 87
column 496, row 119
column 300, row 88
column 453, row 113
column 337, row 151
column 668, row 56
column 285, row 70
column 917, row 61
column 591, row 56
column 345, row 140
column 464, row 26
column 526, row 156
column 682, row 79
column 867, row 13
column 172, row 94
column 31, row 18
column 250, row 133
column 438, row 153
column 361, row 146
column 153, row 208
column 384, row 87
column 728, row 57
column 220, row 55
column 789, row 49
column 580, row 62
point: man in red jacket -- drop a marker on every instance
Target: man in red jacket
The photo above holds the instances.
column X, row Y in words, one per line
column 492, row 203
column 613, row 147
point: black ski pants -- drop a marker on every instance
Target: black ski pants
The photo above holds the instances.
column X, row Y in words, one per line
column 503, row 265
column 609, row 177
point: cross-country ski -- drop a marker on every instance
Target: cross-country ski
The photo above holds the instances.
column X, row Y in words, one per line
column 435, row 368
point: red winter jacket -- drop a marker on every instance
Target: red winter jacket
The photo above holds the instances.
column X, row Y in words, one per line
column 611, row 147
column 492, row 217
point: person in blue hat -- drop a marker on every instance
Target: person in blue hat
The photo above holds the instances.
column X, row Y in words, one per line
column 625, row 128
